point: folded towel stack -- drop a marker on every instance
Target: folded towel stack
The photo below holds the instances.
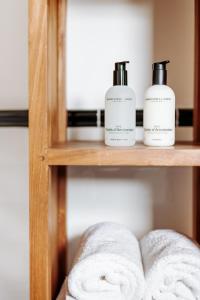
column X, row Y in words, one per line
column 171, row 265
column 108, row 265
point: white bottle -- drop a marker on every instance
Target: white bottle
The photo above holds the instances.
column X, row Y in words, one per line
column 120, row 120
column 159, row 110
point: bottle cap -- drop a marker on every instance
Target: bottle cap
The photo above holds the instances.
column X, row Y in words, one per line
column 120, row 75
column 160, row 72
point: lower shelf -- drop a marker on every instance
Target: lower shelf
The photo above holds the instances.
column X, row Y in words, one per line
column 97, row 154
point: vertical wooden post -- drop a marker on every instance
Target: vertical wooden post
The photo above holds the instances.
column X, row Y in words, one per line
column 46, row 126
column 62, row 237
column 196, row 189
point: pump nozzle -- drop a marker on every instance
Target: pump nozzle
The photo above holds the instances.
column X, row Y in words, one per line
column 160, row 65
column 120, row 76
column 121, row 65
column 160, row 72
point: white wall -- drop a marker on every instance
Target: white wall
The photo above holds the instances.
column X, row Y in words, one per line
column 14, row 249
column 141, row 198
column 13, row 54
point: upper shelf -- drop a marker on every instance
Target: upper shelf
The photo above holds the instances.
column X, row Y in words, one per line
column 97, row 154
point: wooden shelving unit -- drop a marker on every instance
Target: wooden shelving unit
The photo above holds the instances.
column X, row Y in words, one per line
column 50, row 153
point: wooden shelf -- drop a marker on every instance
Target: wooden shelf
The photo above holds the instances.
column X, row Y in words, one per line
column 97, row 154
column 47, row 126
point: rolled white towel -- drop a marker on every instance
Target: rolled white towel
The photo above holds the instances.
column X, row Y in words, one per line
column 108, row 265
column 172, row 266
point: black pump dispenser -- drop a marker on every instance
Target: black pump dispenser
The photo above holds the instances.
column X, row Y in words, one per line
column 120, row 76
column 160, row 72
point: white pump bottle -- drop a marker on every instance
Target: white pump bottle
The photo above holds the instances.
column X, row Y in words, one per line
column 120, row 110
column 159, row 110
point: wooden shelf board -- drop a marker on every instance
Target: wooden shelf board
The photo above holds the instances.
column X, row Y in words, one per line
column 97, row 154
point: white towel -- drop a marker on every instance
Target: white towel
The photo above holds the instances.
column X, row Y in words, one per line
column 172, row 266
column 108, row 265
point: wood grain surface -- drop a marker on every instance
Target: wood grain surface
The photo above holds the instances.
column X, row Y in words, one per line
column 47, row 126
column 97, row 154
column 196, row 171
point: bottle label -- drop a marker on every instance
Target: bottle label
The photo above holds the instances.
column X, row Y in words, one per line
column 158, row 99
column 159, row 120
column 120, row 119
column 119, row 100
